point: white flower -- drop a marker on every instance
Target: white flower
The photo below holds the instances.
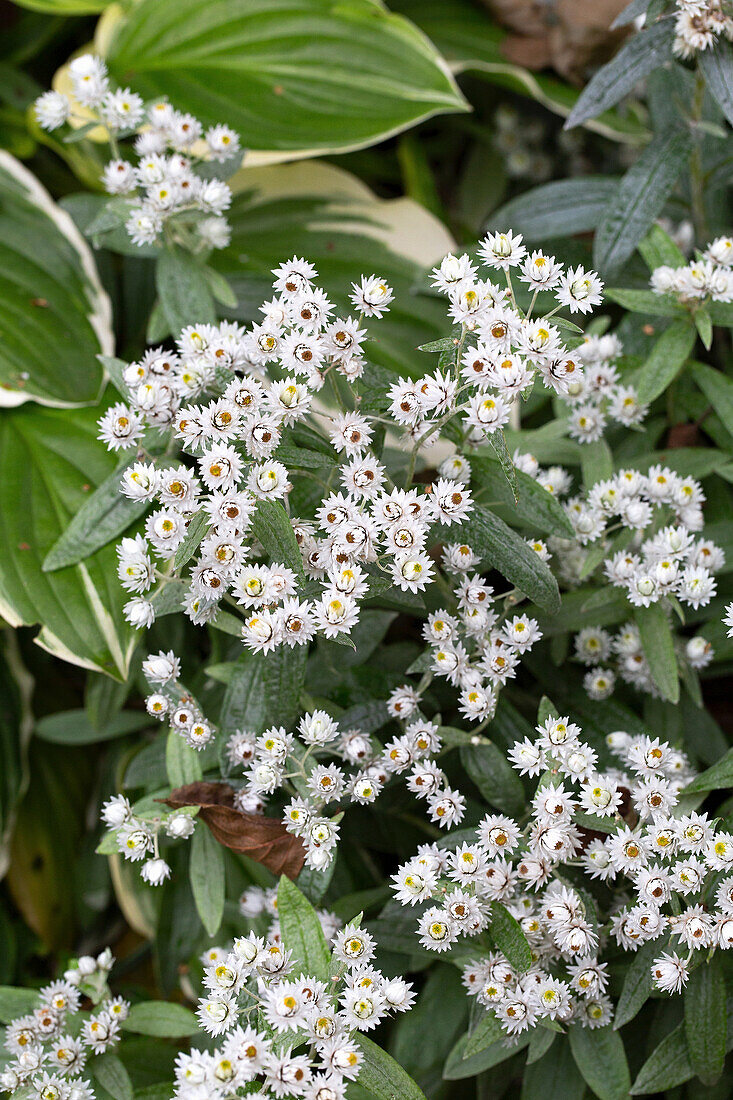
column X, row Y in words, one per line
column 52, row 110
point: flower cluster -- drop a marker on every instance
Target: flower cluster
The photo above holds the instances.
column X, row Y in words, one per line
column 293, row 1033
column 50, row 1046
column 699, row 24
column 620, row 654
column 173, row 189
column 137, row 835
column 707, row 278
column 619, row 826
column 599, row 394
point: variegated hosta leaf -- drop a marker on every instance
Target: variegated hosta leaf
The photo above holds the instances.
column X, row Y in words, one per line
column 299, row 76
column 55, row 318
column 51, row 460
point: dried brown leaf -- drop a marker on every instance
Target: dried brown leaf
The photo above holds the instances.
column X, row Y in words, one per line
column 263, row 839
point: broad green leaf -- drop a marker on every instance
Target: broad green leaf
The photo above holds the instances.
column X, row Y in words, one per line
column 554, row 1076
column 657, row 642
column 558, row 209
column 637, row 987
column 302, row 76
column 639, row 198
column 502, row 548
column 719, row 391
column 716, row 778
column 182, row 763
column 271, row 527
column 645, row 301
column 495, row 778
column 51, row 460
column 509, row 937
column 73, row 727
column 487, row 1031
column 668, row 1065
column 195, row 534
column 497, row 443
column 112, row 1076
column 265, row 689
column 55, row 318
column 206, row 872
column 706, row 1019
column 302, row 932
column 640, row 55
column 716, row 65
column 183, row 291
column 665, row 360
column 102, row 517
column 599, row 1055
column 162, row 1019
column 423, row 1037
column 382, row 1077
column 530, row 502
column 321, row 211
column 16, row 1002
column 541, row 1041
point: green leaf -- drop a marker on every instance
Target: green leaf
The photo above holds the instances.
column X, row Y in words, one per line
column 16, row 1002
column 640, row 55
column 55, row 318
column 706, row 1019
column 495, row 778
column 503, row 549
column 183, row 290
column 303, row 76
column 657, row 642
column 554, row 1076
column 541, row 1041
column 195, row 534
column 497, row 442
column 704, row 325
column 586, row 607
column 382, row 1077
column 487, row 1031
column 529, row 501
column 645, row 301
column 658, row 249
column 206, row 872
column 637, row 987
column 558, row 209
column 162, row 1019
column 65, row 7
column 719, row 391
column 51, row 459
column 596, row 463
column 182, row 763
column 271, row 527
column 716, row 778
column 73, row 727
column 302, row 932
column 102, row 517
column 264, row 689
column 639, row 198
column 668, row 1065
column 716, row 65
column 457, row 1067
column 600, row 1056
column 112, row 1076
column 665, row 360
column 509, row 937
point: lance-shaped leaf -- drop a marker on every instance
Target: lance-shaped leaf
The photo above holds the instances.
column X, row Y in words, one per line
column 716, row 66
column 706, row 1019
column 657, row 642
column 302, row 932
column 599, row 1055
column 560, row 208
column 665, row 360
column 206, row 872
column 382, row 1077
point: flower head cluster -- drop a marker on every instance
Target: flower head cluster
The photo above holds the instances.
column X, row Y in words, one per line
column 49, row 1048
column 174, row 186
column 609, row 655
column 293, row 1033
column 699, row 24
column 707, row 278
column 137, row 835
column 600, row 394
column 621, row 827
